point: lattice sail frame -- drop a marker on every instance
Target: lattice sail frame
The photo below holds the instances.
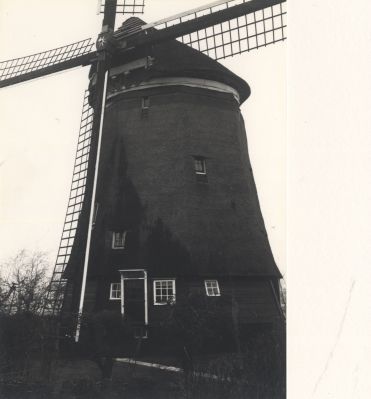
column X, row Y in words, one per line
column 251, row 31
column 126, row 7
column 30, row 63
column 57, row 286
column 262, row 23
column 210, row 8
column 238, row 35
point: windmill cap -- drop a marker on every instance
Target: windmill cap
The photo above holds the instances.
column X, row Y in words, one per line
column 175, row 59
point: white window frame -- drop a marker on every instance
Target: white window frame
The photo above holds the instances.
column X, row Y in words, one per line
column 172, row 280
column 117, row 290
column 212, row 287
column 125, row 275
column 114, row 240
column 203, row 164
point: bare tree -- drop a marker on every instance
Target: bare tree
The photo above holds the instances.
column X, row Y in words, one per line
column 25, row 287
column 7, row 294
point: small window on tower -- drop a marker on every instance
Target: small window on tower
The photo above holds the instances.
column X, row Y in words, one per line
column 200, row 165
column 200, row 169
column 119, row 240
column 115, row 291
column 145, row 103
column 212, row 288
column 145, row 107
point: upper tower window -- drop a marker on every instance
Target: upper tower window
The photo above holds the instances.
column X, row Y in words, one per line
column 119, row 240
column 200, row 165
column 212, row 288
column 145, row 107
column 145, row 102
column 200, row 168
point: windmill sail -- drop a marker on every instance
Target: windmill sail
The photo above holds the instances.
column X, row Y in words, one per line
column 222, row 29
column 44, row 63
column 212, row 8
column 248, row 32
column 126, row 7
column 77, row 193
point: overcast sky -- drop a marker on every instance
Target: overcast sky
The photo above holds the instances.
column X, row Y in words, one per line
column 40, row 121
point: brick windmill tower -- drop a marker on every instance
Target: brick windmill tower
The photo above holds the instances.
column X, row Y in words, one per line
column 163, row 203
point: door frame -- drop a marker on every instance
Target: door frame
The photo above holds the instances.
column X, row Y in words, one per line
column 145, row 283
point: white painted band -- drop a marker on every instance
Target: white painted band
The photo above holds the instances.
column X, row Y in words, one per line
column 169, row 368
column 147, row 364
column 181, row 81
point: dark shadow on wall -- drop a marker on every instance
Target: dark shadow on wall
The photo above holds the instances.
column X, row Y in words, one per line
column 164, row 254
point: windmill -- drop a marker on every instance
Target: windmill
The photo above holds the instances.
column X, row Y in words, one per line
column 272, row 23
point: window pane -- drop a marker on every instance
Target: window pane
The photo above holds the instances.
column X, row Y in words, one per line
column 119, row 239
column 145, row 102
column 212, row 288
column 164, row 291
column 115, row 291
column 199, row 165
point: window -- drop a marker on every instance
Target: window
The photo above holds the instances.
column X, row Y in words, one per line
column 118, row 240
column 145, row 107
column 212, row 288
column 163, row 292
column 200, row 165
column 200, row 169
column 145, row 103
column 115, row 291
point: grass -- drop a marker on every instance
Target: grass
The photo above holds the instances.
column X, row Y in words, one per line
column 80, row 379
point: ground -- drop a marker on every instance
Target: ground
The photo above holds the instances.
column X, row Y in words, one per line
column 80, row 379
